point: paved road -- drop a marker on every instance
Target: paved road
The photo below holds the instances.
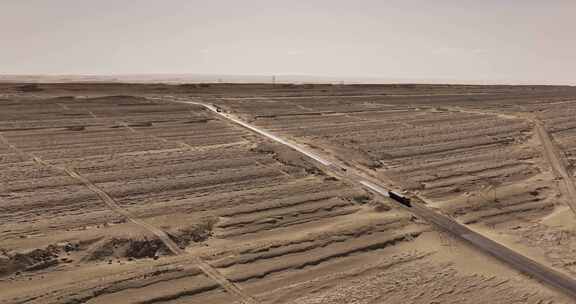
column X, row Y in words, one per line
column 520, row 262
column 265, row 133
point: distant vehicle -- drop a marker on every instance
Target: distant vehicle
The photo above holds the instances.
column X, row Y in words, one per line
column 217, row 108
column 338, row 168
column 400, row 198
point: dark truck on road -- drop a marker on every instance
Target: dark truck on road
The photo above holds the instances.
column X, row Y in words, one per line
column 400, row 198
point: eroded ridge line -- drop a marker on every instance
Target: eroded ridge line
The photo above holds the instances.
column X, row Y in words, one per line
column 124, row 124
column 217, row 276
column 482, row 243
column 182, row 145
column 204, row 266
column 550, row 149
column 103, row 195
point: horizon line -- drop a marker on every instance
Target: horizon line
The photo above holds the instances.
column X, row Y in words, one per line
column 175, row 78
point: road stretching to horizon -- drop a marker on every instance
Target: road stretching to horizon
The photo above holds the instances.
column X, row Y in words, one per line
column 518, row 261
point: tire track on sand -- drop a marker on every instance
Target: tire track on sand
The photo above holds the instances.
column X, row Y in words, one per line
column 552, row 153
column 205, row 267
column 558, row 163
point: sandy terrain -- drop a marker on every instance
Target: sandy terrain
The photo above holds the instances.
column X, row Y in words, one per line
column 108, row 197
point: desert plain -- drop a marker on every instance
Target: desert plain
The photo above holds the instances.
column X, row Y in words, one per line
column 151, row 193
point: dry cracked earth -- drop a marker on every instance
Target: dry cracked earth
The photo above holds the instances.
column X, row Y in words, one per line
column 114, row 193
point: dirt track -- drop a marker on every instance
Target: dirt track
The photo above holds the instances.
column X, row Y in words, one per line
column 558, row 163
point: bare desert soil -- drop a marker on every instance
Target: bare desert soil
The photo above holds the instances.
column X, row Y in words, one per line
column 113, row 193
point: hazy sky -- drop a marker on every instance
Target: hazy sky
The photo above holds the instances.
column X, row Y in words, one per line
column 521, row 40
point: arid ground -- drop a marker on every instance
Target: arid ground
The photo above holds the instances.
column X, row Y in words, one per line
column 120, row 193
